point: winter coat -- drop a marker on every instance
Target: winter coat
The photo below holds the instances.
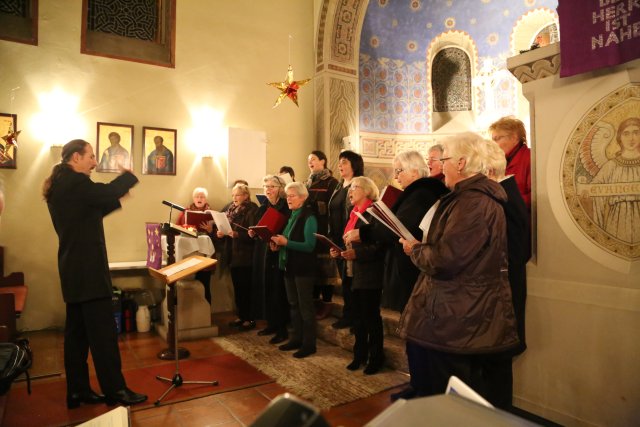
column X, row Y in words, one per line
column 400, row 273
column 462, row 301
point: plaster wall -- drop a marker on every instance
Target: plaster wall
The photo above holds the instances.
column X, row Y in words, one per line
column 583, row 306
column 225, row 53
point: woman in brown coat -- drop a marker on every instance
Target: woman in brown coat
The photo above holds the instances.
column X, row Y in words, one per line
column 460, row 314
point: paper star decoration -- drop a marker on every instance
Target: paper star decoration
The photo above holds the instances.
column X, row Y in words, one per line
column 288, row 88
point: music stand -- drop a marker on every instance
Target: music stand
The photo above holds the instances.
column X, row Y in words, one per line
column 170, row 275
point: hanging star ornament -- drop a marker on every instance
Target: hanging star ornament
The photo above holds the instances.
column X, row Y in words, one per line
column 288, row 88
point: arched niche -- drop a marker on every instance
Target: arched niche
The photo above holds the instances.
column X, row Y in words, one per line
column 462, row 41
column 530, row 25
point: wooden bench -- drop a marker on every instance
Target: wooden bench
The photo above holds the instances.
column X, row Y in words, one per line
column 13, row 295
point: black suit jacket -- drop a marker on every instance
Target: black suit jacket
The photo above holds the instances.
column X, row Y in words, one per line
column 77, row 206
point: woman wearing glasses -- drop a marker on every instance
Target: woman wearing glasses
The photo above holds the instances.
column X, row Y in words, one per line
column 460, row 319
column 364, row 264
column 420, row 193
column 269, row 295
column 297, row 258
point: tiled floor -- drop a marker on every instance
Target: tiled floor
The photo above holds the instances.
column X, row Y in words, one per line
column 235, row 408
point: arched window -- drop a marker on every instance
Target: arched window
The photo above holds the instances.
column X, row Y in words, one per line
column 451, row 81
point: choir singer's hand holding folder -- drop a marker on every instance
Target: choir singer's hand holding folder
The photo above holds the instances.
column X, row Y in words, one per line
column 271, row 223
column 380, row 211
column 222, row 222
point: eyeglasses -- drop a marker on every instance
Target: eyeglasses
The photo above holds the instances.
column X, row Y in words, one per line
column 353, row 187
column 497, row 138
column 397, row 171
column 270, row 187
column 443, row 159
column 290, row 196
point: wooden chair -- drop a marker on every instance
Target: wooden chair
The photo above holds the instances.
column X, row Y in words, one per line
column 13, row 295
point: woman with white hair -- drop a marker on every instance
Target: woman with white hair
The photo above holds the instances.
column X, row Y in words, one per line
column 199, row 203
column 420, row 193
column 268, row 292
column 298, row 260
column 364, row 265
column 460, row 316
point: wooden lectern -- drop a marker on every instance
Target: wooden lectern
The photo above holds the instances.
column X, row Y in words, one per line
column 170, row 276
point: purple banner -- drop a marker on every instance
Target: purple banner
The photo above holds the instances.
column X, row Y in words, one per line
column 597, row 33
column 154, row 248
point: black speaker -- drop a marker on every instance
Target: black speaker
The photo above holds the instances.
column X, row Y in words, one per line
column 287, row 410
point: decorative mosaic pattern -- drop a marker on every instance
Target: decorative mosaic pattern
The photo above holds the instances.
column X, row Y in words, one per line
column 385, row 147
column 537, row 69
column 321, row 27
column 601, row 173
column 393, row 96
column 344, row 35
column 451, row 81
column 394, row 39
column 136, row 19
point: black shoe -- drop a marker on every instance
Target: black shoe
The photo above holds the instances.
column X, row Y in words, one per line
column 304, row 352
column 248, row 325
column 266, row 331
column 374, row 365
column 125, row 397
column 354, row 365
column 278, row 338
column 372, row 368
column 235, row 324
column 90, row 397
column 342, row 324
column 405, row 393
column 290, row 346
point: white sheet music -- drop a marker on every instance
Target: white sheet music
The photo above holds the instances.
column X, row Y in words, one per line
column 181, row 266
column 222, row 222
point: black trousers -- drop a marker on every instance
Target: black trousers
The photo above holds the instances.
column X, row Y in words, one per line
column 368, row 325
column 303, row 315
column 91, row 326
column 487, row 374
column 241, row 278
column 277, row 308
column 347, row 294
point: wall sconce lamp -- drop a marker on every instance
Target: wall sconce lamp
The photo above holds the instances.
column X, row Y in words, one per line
column 57, row 122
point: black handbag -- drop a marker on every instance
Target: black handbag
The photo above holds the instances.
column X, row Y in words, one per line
column 15, row 360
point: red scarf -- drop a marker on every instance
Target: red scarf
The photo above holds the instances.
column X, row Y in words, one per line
column 353, row 218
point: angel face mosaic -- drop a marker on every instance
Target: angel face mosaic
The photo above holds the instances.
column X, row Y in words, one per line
column 601, row 173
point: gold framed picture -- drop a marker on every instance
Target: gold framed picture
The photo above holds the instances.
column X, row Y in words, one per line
column 159, row 151
column 115, row 147
column 8, row 143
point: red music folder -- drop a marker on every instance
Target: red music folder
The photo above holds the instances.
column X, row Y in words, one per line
column 196, row 218
column 273, row 220
column 389, row 195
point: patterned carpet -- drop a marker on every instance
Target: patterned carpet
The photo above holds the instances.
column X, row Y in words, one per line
column 321, row 378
